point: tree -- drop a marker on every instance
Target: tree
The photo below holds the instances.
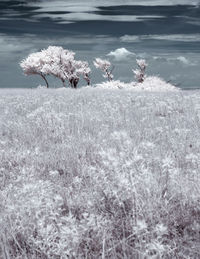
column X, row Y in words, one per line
column 83, row 69
column 106, row 67
column 75, row 69
column 140, row 72
column 57, row 62
column 62, row 64
column 71, row 73
column 34, row 65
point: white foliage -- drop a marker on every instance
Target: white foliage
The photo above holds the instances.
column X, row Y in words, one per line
column 79, row 68
column 141, row 63
column 140, row 73
column 115, row 84
column 34, row 64
column 58, row 62
column 105, row 66
column 150, row 83
column 154, row 83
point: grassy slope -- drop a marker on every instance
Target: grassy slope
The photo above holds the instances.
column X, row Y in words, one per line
column 99, row 174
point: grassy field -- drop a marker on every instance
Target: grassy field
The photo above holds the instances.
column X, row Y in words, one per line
column 99, row 174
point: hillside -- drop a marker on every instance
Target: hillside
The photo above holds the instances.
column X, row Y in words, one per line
column 97, row 173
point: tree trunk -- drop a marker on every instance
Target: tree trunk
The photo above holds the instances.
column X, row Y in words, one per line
column 47, row 84
column 71, row 83
column 63, row 81
column 75, row 82
column 87, row 80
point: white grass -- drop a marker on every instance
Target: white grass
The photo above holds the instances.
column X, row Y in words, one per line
column 150, row 84
column 99, row 174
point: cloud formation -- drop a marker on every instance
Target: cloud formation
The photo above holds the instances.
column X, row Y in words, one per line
column 180, row 59
column 166, row 37
column 90, row 10
column 77, row 16
column 80, row 6
column 121, row 54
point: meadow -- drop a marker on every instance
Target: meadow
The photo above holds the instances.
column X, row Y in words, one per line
column 94, row 173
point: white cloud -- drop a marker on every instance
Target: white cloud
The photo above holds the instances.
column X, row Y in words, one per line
column 121, row 54
column 77, row 16
column 181, row 59
column 130, row 38
column 177, row 37
column 12, row 44
column 91, row 5
column 76, row 10
column 17, row 46
column 170, row 37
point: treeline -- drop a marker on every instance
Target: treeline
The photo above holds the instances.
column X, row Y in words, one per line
column 61, row 63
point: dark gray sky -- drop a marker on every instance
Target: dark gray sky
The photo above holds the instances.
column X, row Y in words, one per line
column 166, row 33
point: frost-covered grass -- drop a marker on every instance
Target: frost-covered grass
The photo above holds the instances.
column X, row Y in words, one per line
column 150, row 83
column 99, row 174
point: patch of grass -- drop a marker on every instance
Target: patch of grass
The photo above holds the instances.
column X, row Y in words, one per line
column 99, row 174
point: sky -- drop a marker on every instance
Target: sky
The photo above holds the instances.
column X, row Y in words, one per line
column 165, row 33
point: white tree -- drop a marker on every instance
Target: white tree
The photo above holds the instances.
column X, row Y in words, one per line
column 140, row 72
column 75, row 69
column 34, row 65
column 61, row 63
column 83, row 69
column 72, row 73
column 58, row 62
column 106, row 67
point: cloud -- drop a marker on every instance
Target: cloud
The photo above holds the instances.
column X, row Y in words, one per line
column 121, row 54
column 180, row 59
column 177, row 37
column 76, row 10
column 82, row 16
column 183, row 60
column 166, row 37
column 77, row 5
column 16, row 47
column 71, row 11
column 130, row 38
column 12, row 44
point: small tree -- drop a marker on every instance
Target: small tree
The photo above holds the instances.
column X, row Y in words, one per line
column 34, row 65
column 106, row 67
column 70, row 69
column 75, row 69
column 140, row 72
column 57, row 62
column 83, row 69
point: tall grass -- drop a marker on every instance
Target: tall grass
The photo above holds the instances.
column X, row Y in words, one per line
column 99, row 174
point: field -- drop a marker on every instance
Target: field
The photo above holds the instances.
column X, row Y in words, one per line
column 97, row 173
